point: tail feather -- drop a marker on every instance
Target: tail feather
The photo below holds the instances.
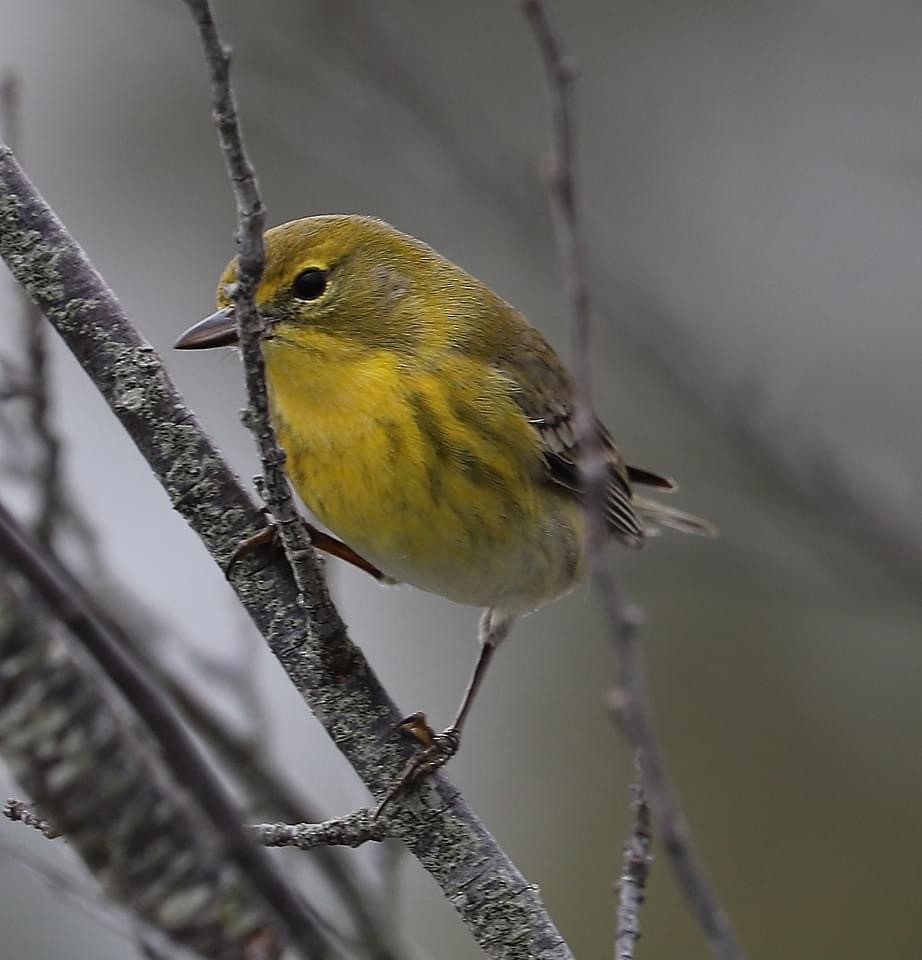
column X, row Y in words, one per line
column 657, row 515
column 648, row 478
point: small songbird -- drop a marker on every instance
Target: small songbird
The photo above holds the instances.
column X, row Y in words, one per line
column 428, row 424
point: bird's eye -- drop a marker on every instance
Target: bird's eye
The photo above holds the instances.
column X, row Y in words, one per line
column 310, row 283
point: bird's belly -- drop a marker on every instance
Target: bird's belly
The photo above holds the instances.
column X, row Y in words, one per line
column 434, row 508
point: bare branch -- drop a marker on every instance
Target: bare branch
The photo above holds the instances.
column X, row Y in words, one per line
column 631, row 706
column 635, row 868
column 268, row 791
column 623, row 619
column 349, row 831
column 73, row 607
column 304, row 561
column 305, row 564
column 21, row 812
column 37, row 394
column 503, row 912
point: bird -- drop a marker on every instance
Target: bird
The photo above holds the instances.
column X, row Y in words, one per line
column 430, row 427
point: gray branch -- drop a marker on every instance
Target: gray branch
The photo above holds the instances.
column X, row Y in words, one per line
column 36, row 388
column 635, row 868
column 349, row 831
column 26, row 814
column 623, row 619
column 503, row 912
column 304, row 562
column 72, row 606
column 70, row 741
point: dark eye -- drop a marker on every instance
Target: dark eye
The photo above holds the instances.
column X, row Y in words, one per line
column 310, row 283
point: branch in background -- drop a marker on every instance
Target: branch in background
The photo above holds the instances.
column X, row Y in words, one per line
column 503, row 912
column 635, row 868
column 67, row 798
column 305, row 564
column 623, row 620
column 267, row 790
column 71, row 742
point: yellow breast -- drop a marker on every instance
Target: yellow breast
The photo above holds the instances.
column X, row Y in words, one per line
column 429, row 470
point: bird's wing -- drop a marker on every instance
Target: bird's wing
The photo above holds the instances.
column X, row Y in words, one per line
column 560, row 449
column 544, row 391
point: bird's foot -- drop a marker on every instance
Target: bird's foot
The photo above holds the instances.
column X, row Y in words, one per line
column 435, row 750
column 269, row 537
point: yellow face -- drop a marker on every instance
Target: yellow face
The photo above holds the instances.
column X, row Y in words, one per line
column 352, row 277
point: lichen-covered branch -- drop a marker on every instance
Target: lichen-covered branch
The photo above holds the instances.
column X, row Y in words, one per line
column 503, row 912
column 70, row 741
column 268, row 791
column 69, row 604
column 34, row 379
column 623, row 619
column 349, row 831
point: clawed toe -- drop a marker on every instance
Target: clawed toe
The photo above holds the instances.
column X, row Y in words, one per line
column 267, row 536
column 435, row 750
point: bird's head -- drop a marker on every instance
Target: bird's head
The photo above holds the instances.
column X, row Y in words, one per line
column 349, row 279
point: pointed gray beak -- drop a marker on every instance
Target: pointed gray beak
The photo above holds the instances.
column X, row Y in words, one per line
column 218, row 330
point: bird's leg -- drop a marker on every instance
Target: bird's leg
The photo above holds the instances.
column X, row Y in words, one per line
column 436, row 749
column 269, row 536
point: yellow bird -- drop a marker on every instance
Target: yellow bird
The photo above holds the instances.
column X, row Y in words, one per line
column 428, row 424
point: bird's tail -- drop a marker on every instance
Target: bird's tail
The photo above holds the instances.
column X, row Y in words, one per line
column 657, row 515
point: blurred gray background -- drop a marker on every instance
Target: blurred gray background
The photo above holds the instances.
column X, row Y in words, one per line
column 751, row 170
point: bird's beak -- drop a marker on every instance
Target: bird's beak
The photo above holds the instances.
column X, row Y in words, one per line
column 218, row 330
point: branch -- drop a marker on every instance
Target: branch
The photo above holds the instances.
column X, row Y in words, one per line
column 349, row 831
column 36, row 389
column 503, row 912
column 635, row 868
column 305, row 564
column 24, row 813
column 249, row 764
column 75, row 609
column 623, row 619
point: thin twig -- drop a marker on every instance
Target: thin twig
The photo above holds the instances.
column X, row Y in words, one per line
column 20, row 812
column 623, row 619
column 73, row 743
column 635, row 869
column 276, row 491
column 504, row 913
column 630, row 705
column 305, row 564
column 350, row 831
column 268, row 791
column 76, row 610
